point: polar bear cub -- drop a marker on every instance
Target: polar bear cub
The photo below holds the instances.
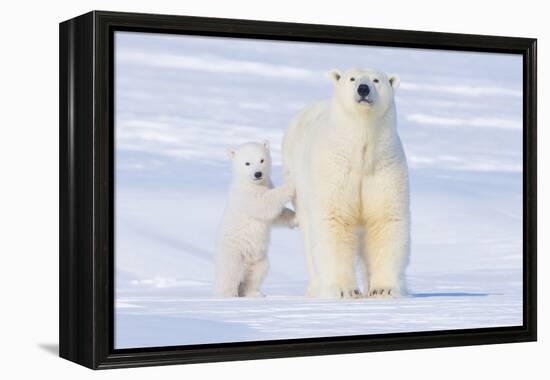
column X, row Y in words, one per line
column 254, row 205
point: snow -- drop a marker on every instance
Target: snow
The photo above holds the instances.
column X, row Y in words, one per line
column 181, row 101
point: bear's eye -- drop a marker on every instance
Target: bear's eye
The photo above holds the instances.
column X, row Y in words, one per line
column 247, row 163
column 352, row 79
column 375, row 80
column 262, row 161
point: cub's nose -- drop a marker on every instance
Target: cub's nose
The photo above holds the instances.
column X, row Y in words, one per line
column 363, row 89
column 258, row 175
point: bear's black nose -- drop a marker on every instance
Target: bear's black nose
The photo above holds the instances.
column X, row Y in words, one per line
column 363, row 89
column 258, row 175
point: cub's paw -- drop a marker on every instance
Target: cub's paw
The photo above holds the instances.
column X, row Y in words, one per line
column 383, row 292
column 226, row 294
column 289, row 190
column 254, row 294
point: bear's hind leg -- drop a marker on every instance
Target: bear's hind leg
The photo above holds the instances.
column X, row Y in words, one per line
column 253, row 278
column 313, row 285
column 229, row 275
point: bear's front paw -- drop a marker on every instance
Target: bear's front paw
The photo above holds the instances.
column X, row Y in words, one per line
column 384, row 292
column 293, row 223
column 341, row 292
column 351, row 293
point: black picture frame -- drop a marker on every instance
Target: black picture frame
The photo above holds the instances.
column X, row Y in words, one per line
column 86, row 291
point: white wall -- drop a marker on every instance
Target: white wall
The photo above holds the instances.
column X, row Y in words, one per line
column 29, row 190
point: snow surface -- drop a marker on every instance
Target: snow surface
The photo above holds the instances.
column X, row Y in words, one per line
column 181, row 101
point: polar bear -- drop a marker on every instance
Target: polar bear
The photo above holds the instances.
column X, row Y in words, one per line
column 253, row 206
column 352, row 189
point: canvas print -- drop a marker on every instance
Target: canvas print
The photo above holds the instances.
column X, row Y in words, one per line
column 272, row 190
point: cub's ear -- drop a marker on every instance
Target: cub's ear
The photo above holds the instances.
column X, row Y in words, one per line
column 266, row 144
column 335, row 75
column 394, row 81
column 231, row 153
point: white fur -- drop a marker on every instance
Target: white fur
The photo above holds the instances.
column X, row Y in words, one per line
column 352, row 190
column 253, row 206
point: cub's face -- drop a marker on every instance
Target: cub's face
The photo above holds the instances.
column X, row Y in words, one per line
column 364, row 90
column 251, row 162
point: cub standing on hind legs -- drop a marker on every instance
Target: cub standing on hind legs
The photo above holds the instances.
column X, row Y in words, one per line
column 253, row 206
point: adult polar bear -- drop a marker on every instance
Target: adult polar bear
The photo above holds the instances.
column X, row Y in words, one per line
column 352, row 190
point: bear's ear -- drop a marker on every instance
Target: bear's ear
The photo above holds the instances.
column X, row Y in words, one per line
column 231, row 153
column 335, row 75
column 266, row 144
column 394, row 81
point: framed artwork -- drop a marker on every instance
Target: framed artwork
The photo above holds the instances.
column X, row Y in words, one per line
column 235, row 189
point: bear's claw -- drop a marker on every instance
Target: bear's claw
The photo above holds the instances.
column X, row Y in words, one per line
column 383, row 293
column 352, row 293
